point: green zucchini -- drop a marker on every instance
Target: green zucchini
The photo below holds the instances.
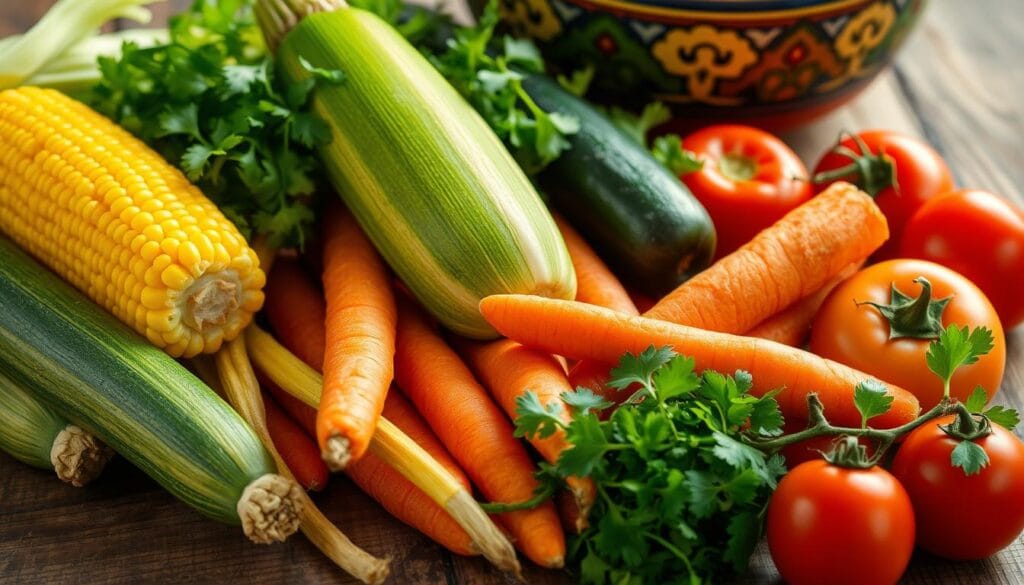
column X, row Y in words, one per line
column 433, row 187
column 105, row 378
column 641, row 219
column 36, row 435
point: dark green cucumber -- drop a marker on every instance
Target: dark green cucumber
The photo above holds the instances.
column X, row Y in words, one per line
column 89, row 367
column 639, row 217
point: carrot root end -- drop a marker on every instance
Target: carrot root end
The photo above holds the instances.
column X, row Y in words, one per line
column 337, row 452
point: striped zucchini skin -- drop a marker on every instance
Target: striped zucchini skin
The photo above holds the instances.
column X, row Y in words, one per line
column 110, row 381
column 27, row 427
column 429, row 182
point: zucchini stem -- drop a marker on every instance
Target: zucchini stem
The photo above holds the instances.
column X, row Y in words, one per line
column 78, row 456
column 239, row 384
column 394, row 447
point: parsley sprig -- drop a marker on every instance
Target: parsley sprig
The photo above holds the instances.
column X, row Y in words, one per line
column 209, row 101
column 680, row 493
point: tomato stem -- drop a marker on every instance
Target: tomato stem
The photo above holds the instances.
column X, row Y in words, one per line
column 818, row 426
column 869, row 171
column 918, row 318
column 737, row 167
column 968, row 426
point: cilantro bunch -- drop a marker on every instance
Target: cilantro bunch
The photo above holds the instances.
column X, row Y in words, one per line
column 209, row 101
column 681, row 496
column 489, row 75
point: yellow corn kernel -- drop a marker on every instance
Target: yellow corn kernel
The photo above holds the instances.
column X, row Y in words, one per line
column 108, row 214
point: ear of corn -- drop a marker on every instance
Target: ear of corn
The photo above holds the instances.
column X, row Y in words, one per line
column 113, row 218
column 74, row 356
column 429, row 182
column 34, row 434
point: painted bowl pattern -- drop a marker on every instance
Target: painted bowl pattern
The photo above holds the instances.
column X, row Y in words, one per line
column 762, row 56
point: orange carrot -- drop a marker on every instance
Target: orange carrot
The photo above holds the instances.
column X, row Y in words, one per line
column 784, row 263
column 388, row 487
column 582, row 331
column 595, row 283
column 476, row 433
column 509, row 370
column 792, row 325
column 296, row 309
column 296, row 447
column 359, row 341
column 402, row 499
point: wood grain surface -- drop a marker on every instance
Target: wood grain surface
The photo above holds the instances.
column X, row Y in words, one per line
column 958, row 82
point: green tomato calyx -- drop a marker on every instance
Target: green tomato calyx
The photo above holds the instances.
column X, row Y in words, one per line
column 914, row 317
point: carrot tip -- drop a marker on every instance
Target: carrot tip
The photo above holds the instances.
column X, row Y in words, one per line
column 555, row 563
column 336, row 453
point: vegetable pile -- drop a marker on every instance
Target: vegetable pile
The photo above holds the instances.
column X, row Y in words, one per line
column 391, row 247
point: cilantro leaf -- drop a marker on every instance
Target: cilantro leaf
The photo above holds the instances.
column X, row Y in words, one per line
column 588, row 446
column 969, row 456
column 977, row 400
column 871, row 398
column 638, row 368
column 579, row 82
column 957, row 347
column 534, row 419
column 523, row 54
column 740, row 455
column 703, row 493
column 675, row 378
column 1001, row 415
column 669, row 151
column 1005, row 417
column 583, row 400
column 766, row 416
column 193, row 162
column 240, row 78
column 744, row 532
column 332, row 76
column 637, row 126
column 180, row 120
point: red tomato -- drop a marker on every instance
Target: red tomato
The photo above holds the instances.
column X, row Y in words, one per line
column 981, row 236
column 907, row 173
column 829, row 524
column 750, row 179
column 963, row 516
column 858, row 335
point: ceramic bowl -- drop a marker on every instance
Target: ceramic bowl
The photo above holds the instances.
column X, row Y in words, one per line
column 774, row 61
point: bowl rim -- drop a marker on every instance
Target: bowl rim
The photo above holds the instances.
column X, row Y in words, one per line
column 731, row 9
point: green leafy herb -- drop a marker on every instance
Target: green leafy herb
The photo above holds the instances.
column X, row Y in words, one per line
column 669, row 151
column 416, row 23
column 489, row 75
column 681, row 496
column 871, row 398
column 243, row 136
column 637, row 126
column 977, row 400
column 957, row 347
column 969, row 456
column 579, row 82
column 1006, row 417
column 583, row 400
column 1003, row 416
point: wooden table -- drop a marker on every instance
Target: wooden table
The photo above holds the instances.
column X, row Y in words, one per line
column 958, row 82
